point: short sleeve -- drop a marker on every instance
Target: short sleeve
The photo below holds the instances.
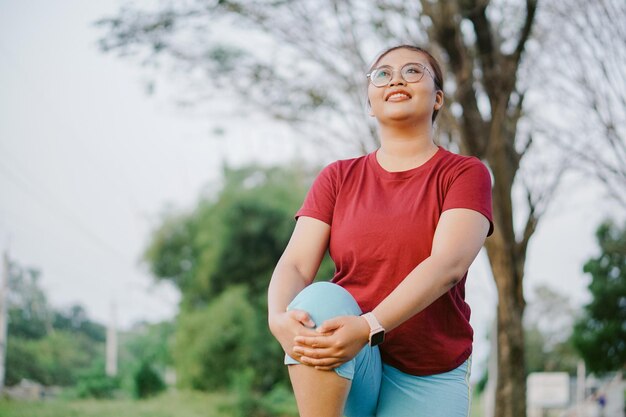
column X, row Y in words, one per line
column 471, row 189
column 319, row 202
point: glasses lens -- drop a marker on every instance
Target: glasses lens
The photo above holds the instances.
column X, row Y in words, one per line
column 412, row 73
column 381, row 76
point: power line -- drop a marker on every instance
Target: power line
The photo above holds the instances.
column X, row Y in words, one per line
column 47, row 199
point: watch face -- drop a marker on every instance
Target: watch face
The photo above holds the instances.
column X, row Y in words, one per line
column 377, row 338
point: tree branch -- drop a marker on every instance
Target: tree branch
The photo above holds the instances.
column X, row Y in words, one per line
column 446, row 31
column 531, row 9
column 488, row 52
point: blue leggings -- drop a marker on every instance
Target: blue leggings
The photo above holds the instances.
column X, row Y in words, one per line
column 379, row 389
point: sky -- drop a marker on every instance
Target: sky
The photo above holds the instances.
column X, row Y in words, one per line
column 89, row 161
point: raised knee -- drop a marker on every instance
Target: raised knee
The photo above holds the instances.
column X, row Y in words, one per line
column 324, row 300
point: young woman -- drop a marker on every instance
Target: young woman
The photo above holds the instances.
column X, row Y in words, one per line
column 390, row 336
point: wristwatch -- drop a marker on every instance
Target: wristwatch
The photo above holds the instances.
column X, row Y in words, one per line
column 377, row 332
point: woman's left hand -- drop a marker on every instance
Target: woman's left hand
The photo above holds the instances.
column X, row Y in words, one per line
column 340, row 339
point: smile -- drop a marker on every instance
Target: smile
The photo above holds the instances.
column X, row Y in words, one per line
column 398, row 96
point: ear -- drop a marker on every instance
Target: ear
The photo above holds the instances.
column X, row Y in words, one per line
column 438, row 100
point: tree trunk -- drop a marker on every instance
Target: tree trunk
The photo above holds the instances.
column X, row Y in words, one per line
column 511, row 379
column 507, row 257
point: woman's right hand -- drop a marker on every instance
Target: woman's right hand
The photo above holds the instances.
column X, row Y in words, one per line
column 286, row 326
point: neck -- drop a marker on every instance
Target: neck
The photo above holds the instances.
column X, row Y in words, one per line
column 405, row 147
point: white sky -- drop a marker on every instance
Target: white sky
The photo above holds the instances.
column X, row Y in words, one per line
column 88, row 161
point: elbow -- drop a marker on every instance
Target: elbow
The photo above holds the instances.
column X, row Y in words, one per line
column 458, row 272
column 453, row 273
column 453, row 280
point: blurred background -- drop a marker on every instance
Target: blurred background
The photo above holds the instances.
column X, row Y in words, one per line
column 153, row 153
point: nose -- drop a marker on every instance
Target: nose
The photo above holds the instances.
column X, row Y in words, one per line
column 396, row 78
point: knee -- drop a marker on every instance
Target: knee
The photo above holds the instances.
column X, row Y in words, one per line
column 325, row 300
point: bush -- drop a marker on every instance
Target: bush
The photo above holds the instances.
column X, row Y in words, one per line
column 147, row 381
column 96, row 384
column 249, row 402
column 217, row 342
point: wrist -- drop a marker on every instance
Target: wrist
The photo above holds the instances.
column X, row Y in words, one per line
column 376, row 332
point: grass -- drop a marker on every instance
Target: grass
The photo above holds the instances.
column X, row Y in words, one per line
column 170, row 404
column 477, row 405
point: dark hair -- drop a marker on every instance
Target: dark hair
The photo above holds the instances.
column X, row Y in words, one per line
column 431, row 61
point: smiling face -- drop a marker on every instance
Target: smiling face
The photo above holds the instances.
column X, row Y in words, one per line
column 402, row 101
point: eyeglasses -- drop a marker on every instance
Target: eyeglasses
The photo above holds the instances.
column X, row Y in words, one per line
column 411, row 73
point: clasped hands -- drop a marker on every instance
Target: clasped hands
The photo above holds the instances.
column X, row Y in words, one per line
column 333, row 343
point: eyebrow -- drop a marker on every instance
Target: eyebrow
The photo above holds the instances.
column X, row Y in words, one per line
column 402, row 66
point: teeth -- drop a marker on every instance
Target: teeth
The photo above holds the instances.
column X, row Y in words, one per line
column 397, row 95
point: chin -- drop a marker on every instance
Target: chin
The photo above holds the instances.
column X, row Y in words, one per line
column 400, row 116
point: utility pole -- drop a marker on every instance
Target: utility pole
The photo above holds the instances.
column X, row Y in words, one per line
column 111, row 345
column 581, row 389
column 4, row 289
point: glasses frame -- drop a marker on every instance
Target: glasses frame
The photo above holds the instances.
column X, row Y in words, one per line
column 393, row 71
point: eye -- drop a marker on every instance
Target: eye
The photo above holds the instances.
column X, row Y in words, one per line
column 381, row 73
column 413, row 69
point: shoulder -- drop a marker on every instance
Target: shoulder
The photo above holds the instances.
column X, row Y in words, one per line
column 454, row 159
column 456, row 164
column 347, row 163
column 342, row 167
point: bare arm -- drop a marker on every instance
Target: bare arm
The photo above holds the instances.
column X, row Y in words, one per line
column 295, row 270
column 458, row 238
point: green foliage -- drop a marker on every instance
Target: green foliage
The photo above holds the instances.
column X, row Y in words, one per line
column 28, row 311
column 55, row 359
column 144, row 343
column 235, row 237
column 548, row 327
column 46, row 345
column 94, row 383
column 600, row 335
column 147, row 381
column 75, row 320
column 257, row 234
column 148, row 343
column 542, row 357
column 279, row 402
column 174, row 403
column 221, row 256
column 248, row 402
column 214, row 343
column 171, row 254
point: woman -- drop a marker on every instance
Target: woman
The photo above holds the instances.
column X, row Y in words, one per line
column 402, row 224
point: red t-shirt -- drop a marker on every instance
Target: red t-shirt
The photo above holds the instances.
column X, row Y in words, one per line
column 382, row 227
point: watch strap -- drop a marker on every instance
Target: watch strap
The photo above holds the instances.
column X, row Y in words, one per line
column 376, row 330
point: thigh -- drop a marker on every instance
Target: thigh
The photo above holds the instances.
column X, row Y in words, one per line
column 325, row 300
column 366, row 381
column 442, row 395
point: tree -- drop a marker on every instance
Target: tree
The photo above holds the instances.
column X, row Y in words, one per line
column 217, row 342
column 147, row 381
column 46, row 345
column 311, row 76
column 600, row 335
column 29, row 314
column 548, row 328
column 232, row 237
column 585, row 72
column 221, row 256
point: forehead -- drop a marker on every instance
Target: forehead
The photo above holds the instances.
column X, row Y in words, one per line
column 399, row 57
